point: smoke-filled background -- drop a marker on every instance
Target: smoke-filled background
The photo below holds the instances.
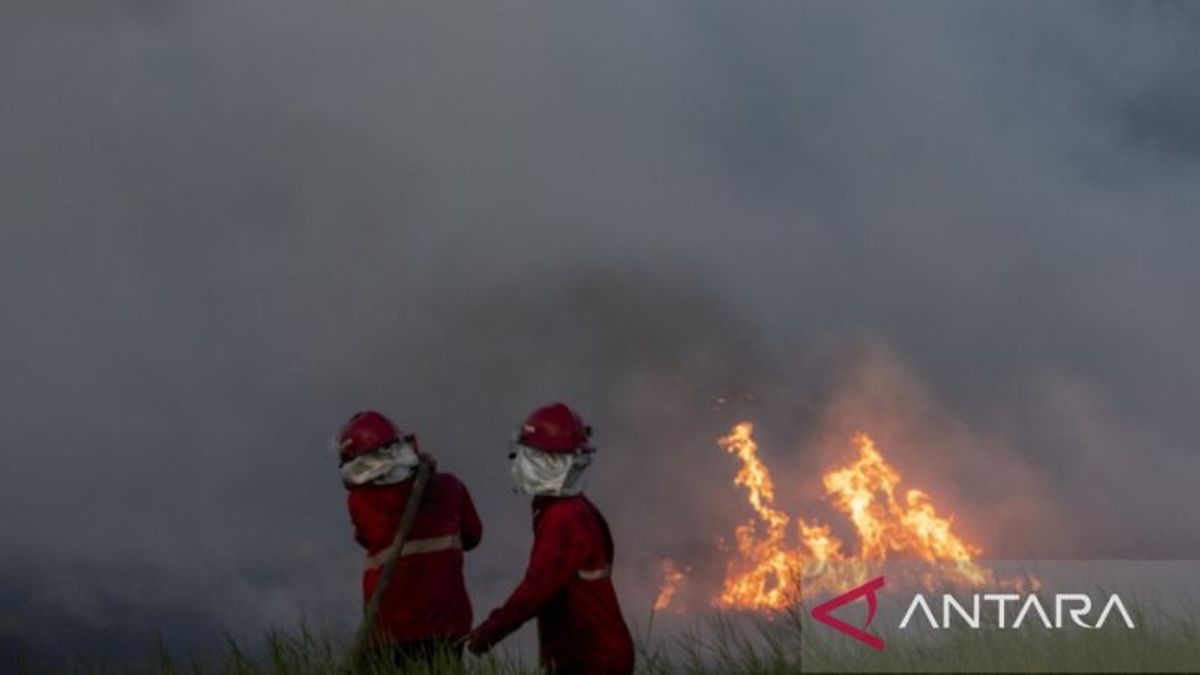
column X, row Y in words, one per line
column 967, row 228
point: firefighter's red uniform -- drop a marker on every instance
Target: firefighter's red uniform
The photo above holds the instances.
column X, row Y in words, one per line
column 427, row 598
column 568, row 588
column 568, row 585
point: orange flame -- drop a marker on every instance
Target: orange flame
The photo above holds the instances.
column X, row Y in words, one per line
column 673, row 578
column 865, row 490
column 771, row 570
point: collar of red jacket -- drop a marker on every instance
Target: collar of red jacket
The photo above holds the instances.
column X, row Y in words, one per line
column 542, row 502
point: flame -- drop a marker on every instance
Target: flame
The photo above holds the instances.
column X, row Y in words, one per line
column 674, row 577
column 772, row 569
column 865, row 490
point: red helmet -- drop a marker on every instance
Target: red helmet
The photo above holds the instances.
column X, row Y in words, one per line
column 555, row 428
column 366, row 431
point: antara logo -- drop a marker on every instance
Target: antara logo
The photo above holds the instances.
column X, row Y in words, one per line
column 1076, row 606
column 822, row 612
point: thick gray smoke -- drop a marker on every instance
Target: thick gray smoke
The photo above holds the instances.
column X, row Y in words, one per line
column 967, row 228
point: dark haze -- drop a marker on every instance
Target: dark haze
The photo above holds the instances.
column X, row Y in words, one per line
column 967, row 228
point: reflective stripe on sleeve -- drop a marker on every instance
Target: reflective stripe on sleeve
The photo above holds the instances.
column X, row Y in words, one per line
column 593, row 575
column 417, row 546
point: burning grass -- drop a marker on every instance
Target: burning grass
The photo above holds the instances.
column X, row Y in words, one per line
column 780, row 557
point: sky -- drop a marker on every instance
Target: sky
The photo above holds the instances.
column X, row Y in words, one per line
column 966, row 228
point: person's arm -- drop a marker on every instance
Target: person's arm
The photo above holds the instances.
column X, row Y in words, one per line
column 369, row 524
column 472, row 528
column 558, row 551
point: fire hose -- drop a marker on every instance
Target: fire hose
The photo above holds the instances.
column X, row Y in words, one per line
column 366, row 629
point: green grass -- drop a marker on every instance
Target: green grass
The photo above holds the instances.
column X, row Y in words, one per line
column 282, row 653
column 746, row 645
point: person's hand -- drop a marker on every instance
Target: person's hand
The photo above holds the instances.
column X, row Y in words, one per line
column 477, row 643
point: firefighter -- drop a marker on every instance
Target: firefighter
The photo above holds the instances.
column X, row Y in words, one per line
column 425, row 611
column 568, row 585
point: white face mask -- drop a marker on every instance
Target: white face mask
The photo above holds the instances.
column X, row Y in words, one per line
column 383, row 466
column 549, row 474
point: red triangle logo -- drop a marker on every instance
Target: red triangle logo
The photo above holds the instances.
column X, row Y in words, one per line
column 822, row 612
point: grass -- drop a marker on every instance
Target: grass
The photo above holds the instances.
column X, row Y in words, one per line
column 746, row 645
